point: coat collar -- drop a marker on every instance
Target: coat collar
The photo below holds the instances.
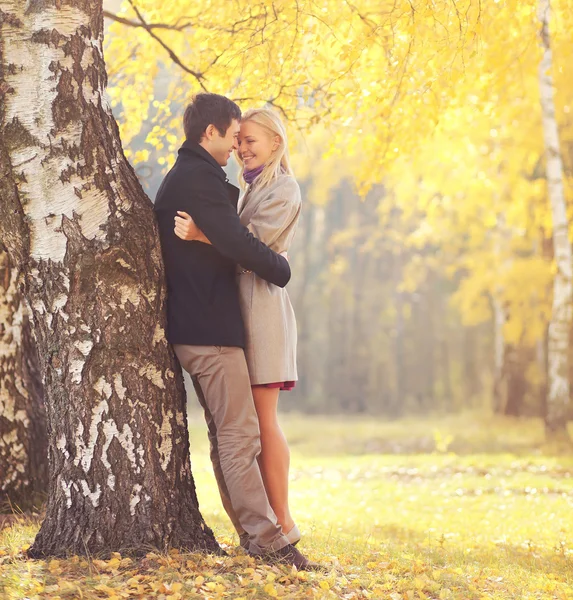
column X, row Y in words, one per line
column 254, row 195
column 198, row 150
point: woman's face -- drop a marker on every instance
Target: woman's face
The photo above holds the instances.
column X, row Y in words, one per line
column 256, row 146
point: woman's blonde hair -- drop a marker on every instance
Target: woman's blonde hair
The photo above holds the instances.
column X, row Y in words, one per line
column 280, row 162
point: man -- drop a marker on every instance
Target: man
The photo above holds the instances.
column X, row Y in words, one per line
column 204, row 318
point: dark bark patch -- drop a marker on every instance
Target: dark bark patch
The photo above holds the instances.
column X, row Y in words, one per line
column 12, row 69
column 10, row 19
column 65, row 107
column 92, row 73
column 73, row 151
column 13, row 231
column 98, row 73
column 75, row 45
column 17, row 136
column 48, row 37
column 5, row 89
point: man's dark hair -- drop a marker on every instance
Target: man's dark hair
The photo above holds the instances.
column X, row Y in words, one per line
column 209, row 109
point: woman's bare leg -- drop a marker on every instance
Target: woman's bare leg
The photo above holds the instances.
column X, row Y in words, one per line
column 274, row 459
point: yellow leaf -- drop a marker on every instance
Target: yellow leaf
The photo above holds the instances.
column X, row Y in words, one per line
column 199, row 581
column 324, row 585
column 106, row 589
column 271, row 590
column 54, row 566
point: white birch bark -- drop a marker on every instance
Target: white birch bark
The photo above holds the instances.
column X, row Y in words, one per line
column 560, row 324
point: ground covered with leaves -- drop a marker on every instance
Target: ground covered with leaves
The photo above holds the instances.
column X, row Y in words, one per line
column 457, row 508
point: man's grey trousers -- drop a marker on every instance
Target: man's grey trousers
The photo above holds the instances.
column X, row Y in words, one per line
column 221, row 380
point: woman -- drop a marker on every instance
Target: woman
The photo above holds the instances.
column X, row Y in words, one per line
column 270, row 209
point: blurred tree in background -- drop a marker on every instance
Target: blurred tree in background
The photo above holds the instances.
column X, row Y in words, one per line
column 424, row 266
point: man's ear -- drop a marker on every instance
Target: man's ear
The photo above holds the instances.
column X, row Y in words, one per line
column 210, row 131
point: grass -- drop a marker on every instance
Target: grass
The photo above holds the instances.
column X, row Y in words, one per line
column 388, row 515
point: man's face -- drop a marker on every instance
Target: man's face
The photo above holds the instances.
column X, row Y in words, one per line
column 221, row 147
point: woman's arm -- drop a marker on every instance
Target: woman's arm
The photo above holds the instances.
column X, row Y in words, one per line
column 186, row 229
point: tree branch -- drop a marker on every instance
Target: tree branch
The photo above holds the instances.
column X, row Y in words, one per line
column 198, row 76
column 130, row 23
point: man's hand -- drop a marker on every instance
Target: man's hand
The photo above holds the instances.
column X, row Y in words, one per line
column 186, row 229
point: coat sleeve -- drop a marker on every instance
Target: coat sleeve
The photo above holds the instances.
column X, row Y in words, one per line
column 209, row 206
column 276, row 213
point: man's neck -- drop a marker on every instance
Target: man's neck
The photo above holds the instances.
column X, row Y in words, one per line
column 205, row 146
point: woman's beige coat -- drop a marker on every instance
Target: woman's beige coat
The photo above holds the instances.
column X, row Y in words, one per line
column 271, row 214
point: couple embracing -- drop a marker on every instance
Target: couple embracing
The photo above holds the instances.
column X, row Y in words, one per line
column 230, row 320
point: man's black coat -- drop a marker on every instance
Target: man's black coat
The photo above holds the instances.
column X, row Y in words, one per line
column 203, row 303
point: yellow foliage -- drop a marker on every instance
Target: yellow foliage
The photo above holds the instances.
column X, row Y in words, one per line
column 438, row 101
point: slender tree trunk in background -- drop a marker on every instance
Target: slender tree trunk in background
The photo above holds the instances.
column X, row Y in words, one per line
column 360, row 333
column 314, row 365
column 77, row 218
column 446, row 371
column 426, row 341
column 541, row 359
column 515, row 368
column 299, row 298
column 399, row 398
column 470, row 367
column 430, row 327
column 421, row 345
column 23, row 435
column 560, row 324
column 499, row 388
column 442, row 339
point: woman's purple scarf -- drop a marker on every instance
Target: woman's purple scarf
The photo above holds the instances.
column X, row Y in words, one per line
column 250, row 176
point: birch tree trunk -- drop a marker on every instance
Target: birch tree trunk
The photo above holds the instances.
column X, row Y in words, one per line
column 76, row 216
column 560, row 324
column 23, row 435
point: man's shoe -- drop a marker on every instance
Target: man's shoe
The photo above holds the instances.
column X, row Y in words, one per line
column 289, row 555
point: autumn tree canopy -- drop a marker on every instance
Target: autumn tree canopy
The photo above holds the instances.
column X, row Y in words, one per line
column 437, row 103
